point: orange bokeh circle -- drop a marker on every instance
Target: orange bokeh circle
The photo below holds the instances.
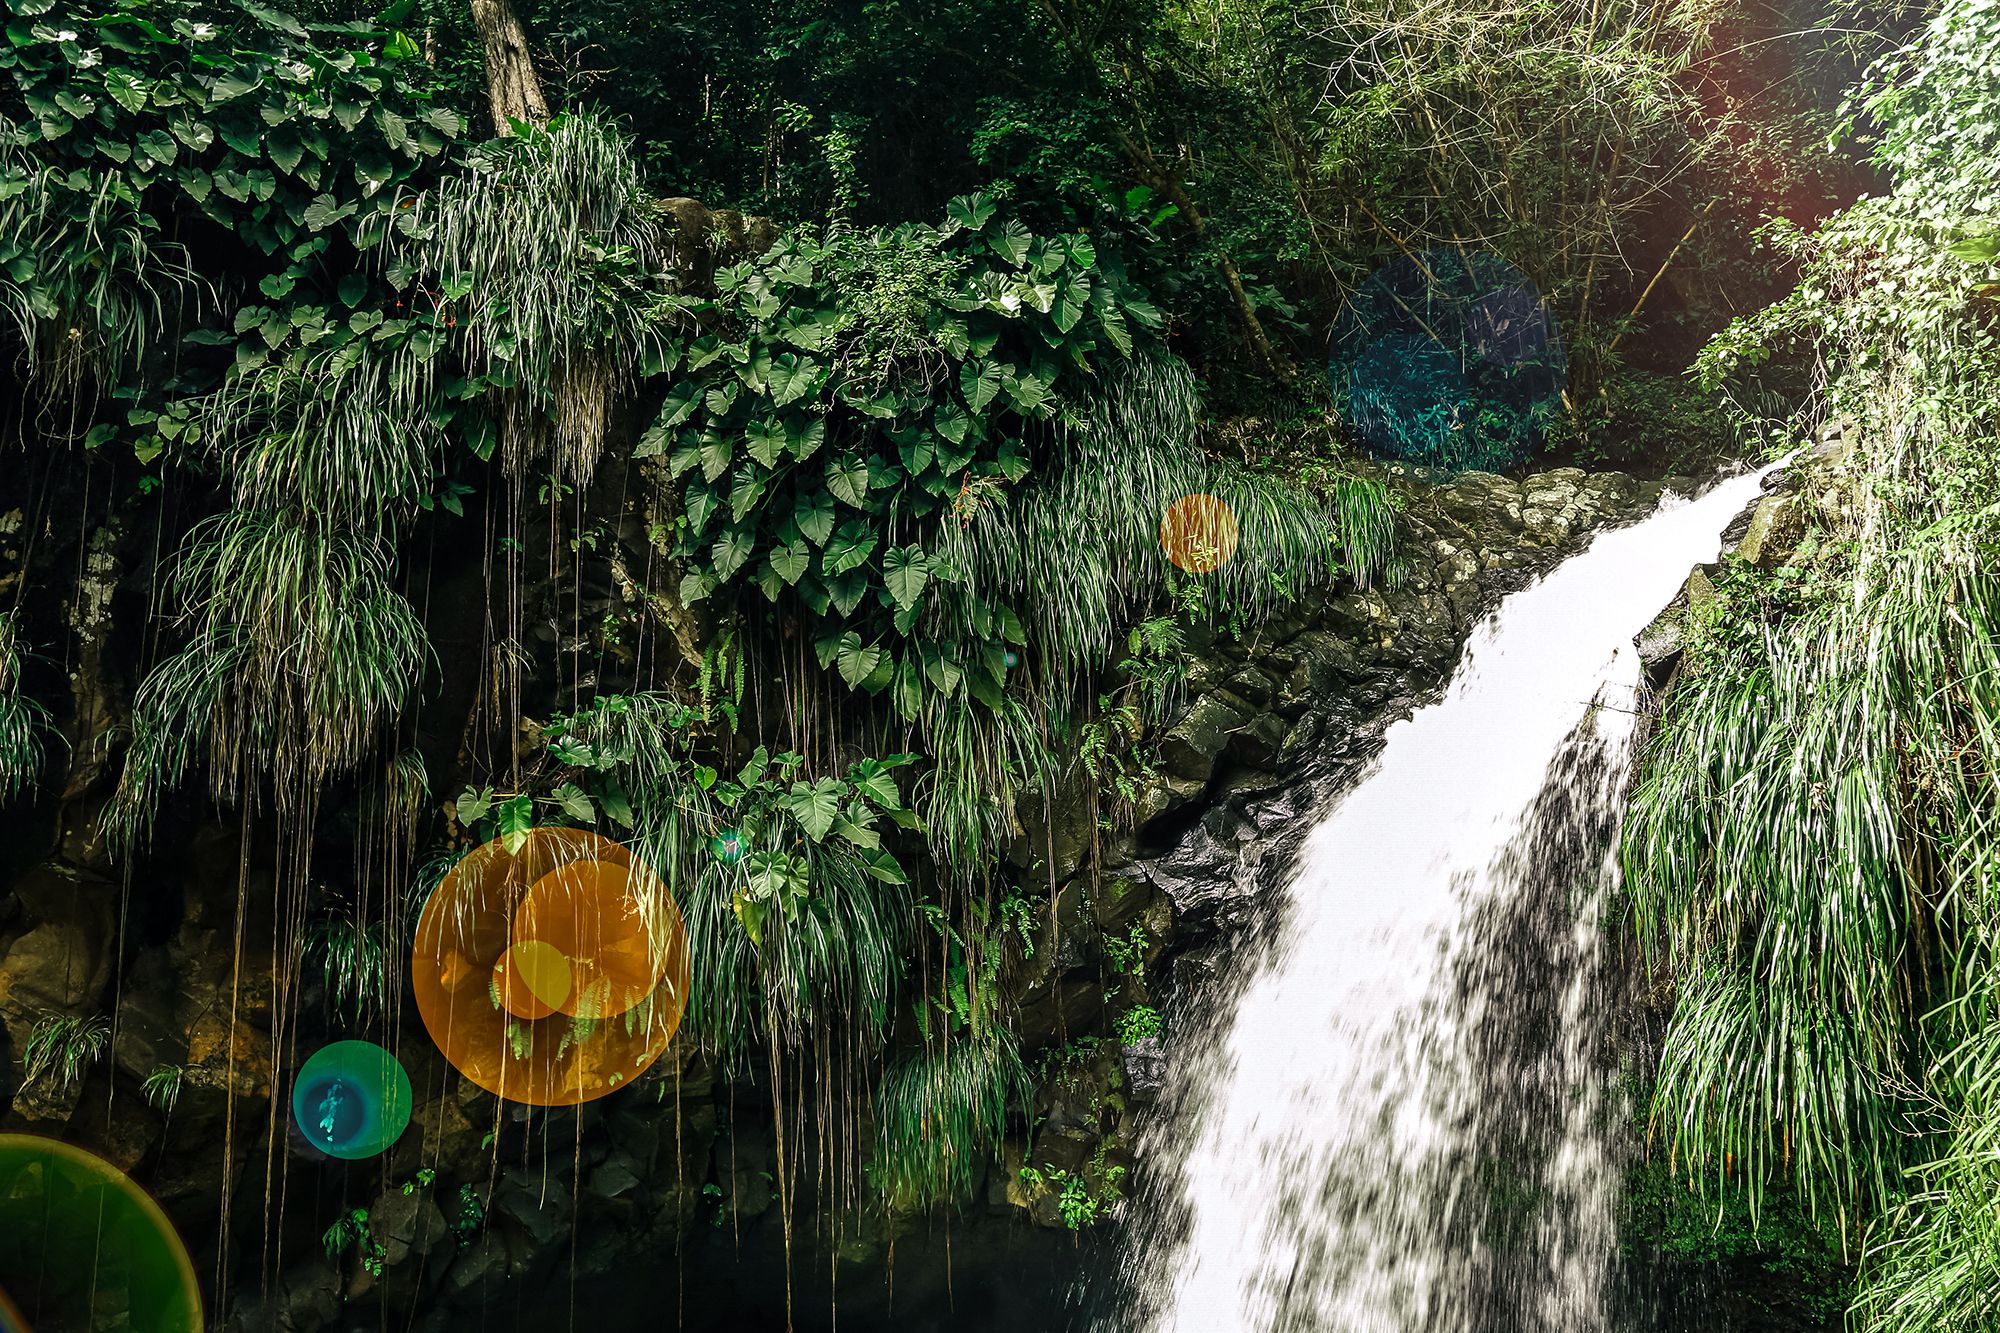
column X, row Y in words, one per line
column 555, row 973
column 1198, row 533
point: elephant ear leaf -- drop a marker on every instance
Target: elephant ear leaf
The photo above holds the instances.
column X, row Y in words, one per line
column 906, row 572
column 847, row 478
column 813, row 512
column 816, row 807
column 856, row 661
column 516, row 821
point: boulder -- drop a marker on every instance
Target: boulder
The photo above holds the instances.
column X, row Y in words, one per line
column 1774, row 531
column 1191, row 745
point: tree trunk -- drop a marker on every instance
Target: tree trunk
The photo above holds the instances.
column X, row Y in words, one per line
column 1167, row 181
column 512, row 90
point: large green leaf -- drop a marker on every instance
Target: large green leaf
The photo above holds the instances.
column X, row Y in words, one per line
column 905, row 572
column 952, row 421
column 815, row 806
column 805, row 437
column 849, row 549
column 1012, row 242
column 980, row 381
column 857, row 661
column 814, row 513
column 909, row 692
column 743, row 496
column 790, row 562
column 971, row 211
column 858, row 834
column 731, row 551
column 873, row 780
column 793, row 377
column 715, row 454
column 765, row 437
column 575, row 802
column 884, row 867
column 702, row 502
column 847, row 478
column 515, row 820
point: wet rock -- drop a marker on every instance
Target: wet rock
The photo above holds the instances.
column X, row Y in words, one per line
column 1252, row 686
column 1190, row 748
column 1119, row 901
column 307, row 1299
column 1774, row 531
column 1204, row 875
column 1257, row 745
column 614, row 1179
column 478, row 1268
column 406, row 1224
column 537, row 1203
column 1699, row 592
column 1146, row 1068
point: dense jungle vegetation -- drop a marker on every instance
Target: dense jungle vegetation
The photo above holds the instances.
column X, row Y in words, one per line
column 748, row 425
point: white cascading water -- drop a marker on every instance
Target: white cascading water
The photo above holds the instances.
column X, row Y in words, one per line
column 1392, row 1117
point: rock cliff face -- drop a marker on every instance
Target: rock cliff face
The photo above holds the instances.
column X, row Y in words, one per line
column 650, row 1200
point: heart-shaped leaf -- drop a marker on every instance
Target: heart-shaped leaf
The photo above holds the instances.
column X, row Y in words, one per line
column 850, row 548
column 856, row 661
column 814, row 514
column 847, row 478
column 905, row 572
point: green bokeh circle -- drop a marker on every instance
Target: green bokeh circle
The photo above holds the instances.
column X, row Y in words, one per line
column 373, row 1100
column 82, row 1247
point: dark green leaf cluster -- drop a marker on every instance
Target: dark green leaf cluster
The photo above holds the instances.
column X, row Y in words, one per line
column 122, row 124
column 830, row 419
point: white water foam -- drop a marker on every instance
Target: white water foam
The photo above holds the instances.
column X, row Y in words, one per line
column 1392, row 1121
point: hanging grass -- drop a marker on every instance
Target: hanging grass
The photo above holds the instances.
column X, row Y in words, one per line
column 63, row 1047
column 540, row 257
column 347, row 436
column 984, row 759
column 91, row 289
column 22, row 719
column 828, row 973
column 300, row 651
column 1815, row 846
column 354, row 962
column 1078, row 551
column 940, row 1113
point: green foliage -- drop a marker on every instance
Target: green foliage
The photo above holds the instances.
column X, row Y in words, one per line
column 805, row 932
column 63, row 1047
column 22, row 719
column 1141, row 1022
column 353, row 1232
column 162, row 1087
column 1551, row 132
column 540, row 262
column 470, row 1215
column 1778, row 1260
column 1082, row 1197
column 282, row 135
column 940, row 1112
column 1127, row 955
column 850, row 402
column 354, row 964
column 1813, row 843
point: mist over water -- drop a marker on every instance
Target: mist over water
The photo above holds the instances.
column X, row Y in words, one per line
column 1390, row 1116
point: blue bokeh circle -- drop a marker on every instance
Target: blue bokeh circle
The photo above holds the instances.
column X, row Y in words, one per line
column 1448, row 359
column 351, row 1100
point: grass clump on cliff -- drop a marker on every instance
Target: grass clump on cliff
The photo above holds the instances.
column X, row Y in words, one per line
column 1813, row 847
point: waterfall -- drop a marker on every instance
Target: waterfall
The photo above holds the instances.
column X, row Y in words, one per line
column 1391, row 1115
